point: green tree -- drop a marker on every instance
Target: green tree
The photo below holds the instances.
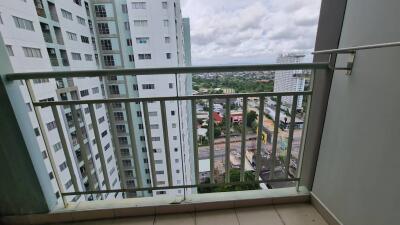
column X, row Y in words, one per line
column 251, row 117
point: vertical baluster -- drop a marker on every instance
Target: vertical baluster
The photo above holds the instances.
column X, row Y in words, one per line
column 166, row 142
column 149, row 143
column 45, row 140
column 243, row 146
column 68, row 159
column 115, row 142
column 99, row 146
column 195, row 147
column 259, row 135
column 211, row 137
column 227, row 138
column 291, row 130
column 275, row 137
column 83, row 148
column 135, row 152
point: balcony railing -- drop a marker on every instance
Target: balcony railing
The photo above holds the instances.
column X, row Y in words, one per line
column 259, row 155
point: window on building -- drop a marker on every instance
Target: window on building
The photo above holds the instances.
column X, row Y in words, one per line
column 81, row 20
column 139, row 113
column 173, row 125
column 140, row 125
column 76, row 56
column 142, row 138
column 172, row 113
column 160, row 172
column 98, row 106
column 161, row 192
column 140, row 23
column 109, row 159
column 9, row 50
column 101, row 119
column 103, row 28
column 96, row 90
column 148, row 86
column 157, row 150
column 100, row 11
column 159, row 161
column 72, row 36
column 175, row 138
column 135, row 87
column 114, row 89
column 166, row 23
column 168, row 55
column 44, row 155
column 142, row 40
column 126, row 25
column 119, row 116
column 32, row 52
column 68, row 184
column 155, row 138
column 57, row 146
column 126, row 162
column 67, row 15
column 154, row 126
column 78, row 2
column 177, row 171
column 62, row 166
column 106, row 44
column 152, row 114
column 23, row 23
column 88, row 57
column 120, row 128
column 84, row 93
column 112, row 171
column 176, row 160
column 117, row 105
column 175, row 149
column 109, row 60
column 144, row 149
column 51, row 175
column 147, row 171
column 52, row 125
column 129, row 41
column 138, row 5
column 28, row 105
column 167, row 40
column 104, row 133
column 164, row 5
column 131, row 58
column 107, row 146
column 85, row 39
column 144, row 56
column 146, row 160
column 124, row 8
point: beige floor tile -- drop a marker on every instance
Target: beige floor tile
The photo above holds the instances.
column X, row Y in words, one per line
column 176, row 219
column 148, row 220
column 217, row 217
column 299, row 214
column 264, row 215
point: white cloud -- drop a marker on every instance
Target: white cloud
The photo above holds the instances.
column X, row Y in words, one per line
column 251, row 31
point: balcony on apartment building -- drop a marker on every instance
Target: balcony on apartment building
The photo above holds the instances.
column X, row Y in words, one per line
column 339, row 167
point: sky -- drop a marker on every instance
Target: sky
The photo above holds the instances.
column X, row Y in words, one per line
column 250, row 31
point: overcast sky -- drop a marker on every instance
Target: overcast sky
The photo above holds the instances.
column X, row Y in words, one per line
column 250, row 31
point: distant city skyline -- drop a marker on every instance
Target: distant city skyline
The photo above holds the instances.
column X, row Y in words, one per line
column 250, row 32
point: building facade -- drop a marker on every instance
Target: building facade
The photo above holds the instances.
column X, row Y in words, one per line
column 57, row 36
column 290, row 80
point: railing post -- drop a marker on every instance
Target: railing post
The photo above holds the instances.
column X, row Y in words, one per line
column 259, row 135
column 243, row 146
column 149, row 143
column 166, row 142
column 195, row 147
column 211, row 137
column 291, row 131
column 275, row 137
column 227, row 139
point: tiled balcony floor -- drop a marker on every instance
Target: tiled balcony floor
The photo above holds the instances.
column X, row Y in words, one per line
column 290, row 214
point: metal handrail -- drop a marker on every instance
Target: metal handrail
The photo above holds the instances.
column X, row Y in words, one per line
column 170, row 98
column 166, row 70
column 361, row 47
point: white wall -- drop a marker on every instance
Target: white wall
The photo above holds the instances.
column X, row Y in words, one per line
column 358, row 165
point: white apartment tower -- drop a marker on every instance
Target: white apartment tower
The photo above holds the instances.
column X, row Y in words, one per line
column 147, row 34
column 290, row 80
column 42, row 35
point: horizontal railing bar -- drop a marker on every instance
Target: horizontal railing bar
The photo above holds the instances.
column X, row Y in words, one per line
column 166, row 70
column 361, row 47
column 179, row 186
column 172, row 98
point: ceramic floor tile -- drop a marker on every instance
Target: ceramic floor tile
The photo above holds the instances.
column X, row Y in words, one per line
column 264, row 215
column 217, row 217
column 299, row 214
column 148, row 220
column 176, row 219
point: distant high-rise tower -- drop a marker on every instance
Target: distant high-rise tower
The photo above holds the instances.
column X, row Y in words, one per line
column 290, row 80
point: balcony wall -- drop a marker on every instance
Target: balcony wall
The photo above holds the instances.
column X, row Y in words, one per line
column 358, row 165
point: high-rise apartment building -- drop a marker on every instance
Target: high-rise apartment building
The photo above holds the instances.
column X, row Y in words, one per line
column 144, row 34
column 290, row 80
column 44, row 35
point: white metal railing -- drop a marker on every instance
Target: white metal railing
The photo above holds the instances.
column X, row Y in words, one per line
column 85, row 153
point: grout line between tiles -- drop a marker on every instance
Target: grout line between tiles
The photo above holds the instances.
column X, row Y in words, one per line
column 279, row 215
column 237, row 216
